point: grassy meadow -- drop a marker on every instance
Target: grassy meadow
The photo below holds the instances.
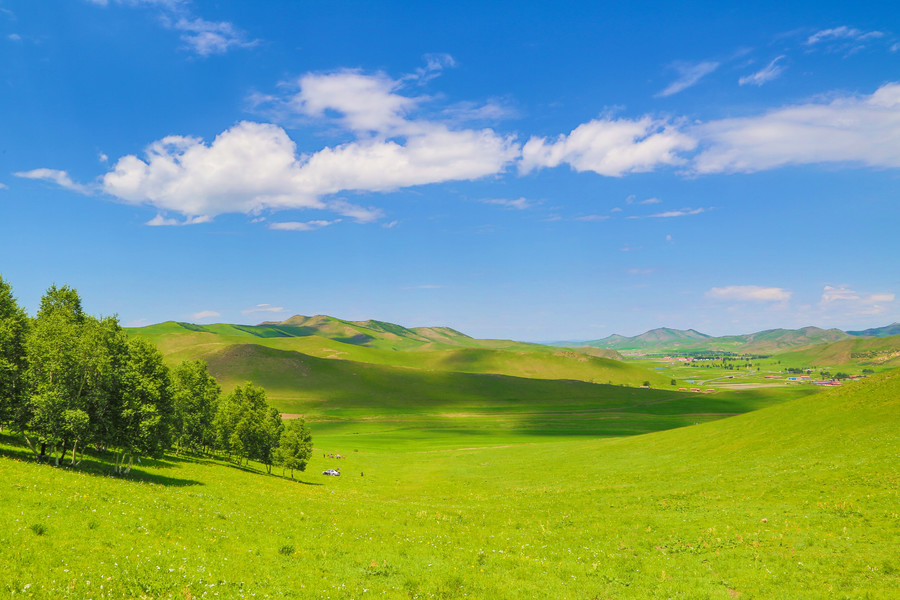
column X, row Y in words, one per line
column 796, row 500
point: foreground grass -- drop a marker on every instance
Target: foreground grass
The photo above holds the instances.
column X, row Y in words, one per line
column 799, row 500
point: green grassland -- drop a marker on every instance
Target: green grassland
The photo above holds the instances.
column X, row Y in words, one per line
column 796, row 500
column 876, row 353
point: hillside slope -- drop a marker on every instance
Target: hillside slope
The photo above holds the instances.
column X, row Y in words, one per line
column 297, row 382
column 875, row 352
column 796, row 501
column 673, row 340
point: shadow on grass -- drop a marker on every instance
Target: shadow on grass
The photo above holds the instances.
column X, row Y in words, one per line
column 93, row 464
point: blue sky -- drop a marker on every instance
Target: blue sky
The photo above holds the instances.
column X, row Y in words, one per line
column 513, row 170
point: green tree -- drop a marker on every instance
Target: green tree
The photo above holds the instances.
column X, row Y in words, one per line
column 196, row 397
column 240, row 421
column 13, row 363
column 295, row 447
column 143, row 417
column 270, row 436
column 72, row 363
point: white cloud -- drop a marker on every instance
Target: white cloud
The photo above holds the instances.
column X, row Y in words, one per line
column 263, row 308
column 14, row 37
column 610, row 147
column 301, row 226
column 842, row 33
column 842, row 293
column 670, row 214
column 366, row 102
column 205, row 314
column 750, row 293
column 689, row 74
column 60, row 178
column 592, row 218
column 434, row 64
column 210, row 37
column 859, row 129
column 254, row 167
column 842, row 301
column 650, row 201
column 770, row 72
column 640, row 271
column 3, row 186
column 518, row 204
column 161, row 220
column 199, row 35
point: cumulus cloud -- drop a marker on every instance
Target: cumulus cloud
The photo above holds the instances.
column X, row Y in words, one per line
column 855, row 129
column 60, row 178
column 3, row 186
column 610, row 147
column 254, row 167
column 689, row 75
column 749, row 293
column 365, row 102
column 771, row 71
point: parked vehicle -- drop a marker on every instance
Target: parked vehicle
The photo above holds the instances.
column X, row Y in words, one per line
column 334, row 472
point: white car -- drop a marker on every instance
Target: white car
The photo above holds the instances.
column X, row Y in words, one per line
column 334, row 472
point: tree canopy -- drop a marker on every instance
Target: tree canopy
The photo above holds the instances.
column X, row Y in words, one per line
column 69, row 380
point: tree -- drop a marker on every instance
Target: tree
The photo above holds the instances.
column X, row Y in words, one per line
column 70, row 368
column 196, row 397
column 13, row 361
column 143, row 417
column 295, row 446
column 240, row 421
column 270, row 436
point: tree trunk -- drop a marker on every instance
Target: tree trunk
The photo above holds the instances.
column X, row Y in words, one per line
column 74, row 448
column 37, row 457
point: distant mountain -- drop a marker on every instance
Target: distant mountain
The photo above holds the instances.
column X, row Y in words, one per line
column 666, row 339
column 368, row 333
column 887, row 330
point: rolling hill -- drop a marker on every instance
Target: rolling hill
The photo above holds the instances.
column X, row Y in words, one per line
column 876, row 352
column 674, row 340
column 316, row 364
column 798, row 500
column 887, row 330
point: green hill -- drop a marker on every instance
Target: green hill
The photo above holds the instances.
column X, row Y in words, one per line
column 300, row 383
column 797, row 501
column 388, row 345
column 676, row 340
column 875, row 352
column 887, row 330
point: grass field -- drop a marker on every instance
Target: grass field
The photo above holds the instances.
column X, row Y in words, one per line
column 797, row 500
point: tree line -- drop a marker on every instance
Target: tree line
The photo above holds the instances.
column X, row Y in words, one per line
column 69, row 381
